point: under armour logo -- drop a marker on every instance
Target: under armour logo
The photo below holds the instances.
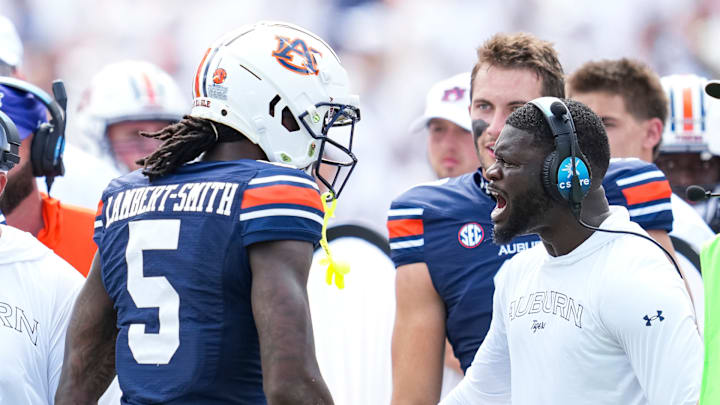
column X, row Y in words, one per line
column 454, row 94
column 649, row 319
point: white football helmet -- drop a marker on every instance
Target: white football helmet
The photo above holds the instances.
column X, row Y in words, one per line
column 693, row 124
column 125, row 91
column 283, row 88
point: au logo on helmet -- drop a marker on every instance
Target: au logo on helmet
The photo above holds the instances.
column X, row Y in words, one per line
column 296, row 56
column 219, row 75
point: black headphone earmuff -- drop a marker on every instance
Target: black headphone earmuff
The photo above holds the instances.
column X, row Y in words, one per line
column 567, row 158
column 9, row 143
column 48, row 145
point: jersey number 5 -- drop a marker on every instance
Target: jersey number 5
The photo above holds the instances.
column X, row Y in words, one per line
column 153, row 292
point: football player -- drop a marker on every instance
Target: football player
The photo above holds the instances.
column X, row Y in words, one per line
column 587, row 317
column 690, row 152
column 633, row 104
column 203, row 266
column 122, row 99
column 440, row 233
column 447, row 123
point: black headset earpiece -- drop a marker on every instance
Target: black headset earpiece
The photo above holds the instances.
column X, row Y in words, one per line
column 559, row 165
column 566, row 159
column 9, row 143
column 48, row 145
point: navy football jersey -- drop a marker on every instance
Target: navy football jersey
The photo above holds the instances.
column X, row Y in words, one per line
column 174, row 262
column 643, row 189
column 446, row 225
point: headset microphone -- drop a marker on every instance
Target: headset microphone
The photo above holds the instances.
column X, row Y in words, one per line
column 558, row 109
column 697, row 193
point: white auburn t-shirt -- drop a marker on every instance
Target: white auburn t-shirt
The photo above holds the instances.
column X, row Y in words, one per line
column 608, row 323
column 37, row 292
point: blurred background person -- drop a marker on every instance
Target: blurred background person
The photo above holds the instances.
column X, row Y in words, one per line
column 122, row 99
column 450, row 148
column 64, row 228
column 87, row 175
column 36, row 298
column 691, row 142
column 633, row 105
column 11, row 50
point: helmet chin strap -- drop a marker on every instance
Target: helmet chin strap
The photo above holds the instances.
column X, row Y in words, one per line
column 212, row 125
column 334, row 268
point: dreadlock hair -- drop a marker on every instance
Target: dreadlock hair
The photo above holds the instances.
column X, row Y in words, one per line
column 591, row 135
column 182, row 142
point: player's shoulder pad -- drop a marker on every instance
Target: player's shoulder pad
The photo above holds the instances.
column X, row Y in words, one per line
column 275, row 184
column 266, row 169
column 420, row 194
column 132, row 179
column 620, row 167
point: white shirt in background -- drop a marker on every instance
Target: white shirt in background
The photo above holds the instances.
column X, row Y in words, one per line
column 37, row 292
column 353, row 326
column 608, row 323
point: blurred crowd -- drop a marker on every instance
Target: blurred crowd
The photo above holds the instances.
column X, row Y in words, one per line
column 393, row 49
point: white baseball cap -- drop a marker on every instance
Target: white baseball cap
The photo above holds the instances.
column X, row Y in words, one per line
column 447, row 99
column 11, row 49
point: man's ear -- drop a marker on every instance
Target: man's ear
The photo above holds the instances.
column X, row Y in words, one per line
column 3, row 181
column 653, row 133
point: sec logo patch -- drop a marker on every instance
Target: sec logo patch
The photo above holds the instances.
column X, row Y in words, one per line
column 471, row 235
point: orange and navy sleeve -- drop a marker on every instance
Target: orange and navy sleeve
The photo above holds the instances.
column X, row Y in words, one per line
column 281, row 204
column 643, row 189
column 99, row 222
column 406, row 233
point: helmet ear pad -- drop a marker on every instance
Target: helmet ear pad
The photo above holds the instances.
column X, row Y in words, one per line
column 549, row 176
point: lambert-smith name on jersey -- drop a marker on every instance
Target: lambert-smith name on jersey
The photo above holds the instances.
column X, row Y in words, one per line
column 175, row 262
column 209, row 197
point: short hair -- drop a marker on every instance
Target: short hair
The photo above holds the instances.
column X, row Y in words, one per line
column 523, row 51
column 592, row 138
column 631, row 79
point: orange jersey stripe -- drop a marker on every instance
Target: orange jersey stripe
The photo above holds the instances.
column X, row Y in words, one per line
column 197, row 74
column 656, row 190
column 687, row 109
column 99, row 208
column 282, row 194
column 398, row 228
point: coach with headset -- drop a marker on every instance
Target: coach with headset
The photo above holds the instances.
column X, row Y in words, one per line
column 596, row 314
column 65, row 229
column 37, row 292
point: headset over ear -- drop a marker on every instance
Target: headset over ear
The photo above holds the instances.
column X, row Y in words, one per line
column 48, row 143
column 566, row 159
column 9, row 143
